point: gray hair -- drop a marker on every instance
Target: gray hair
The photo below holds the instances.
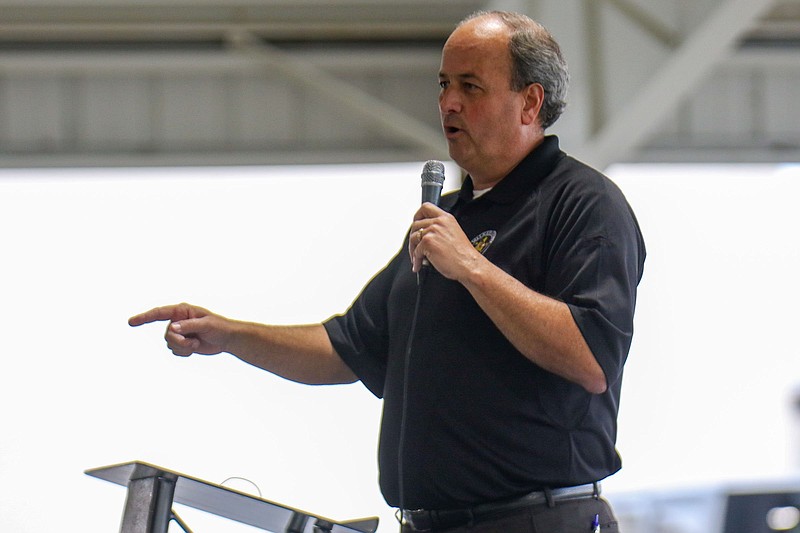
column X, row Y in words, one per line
column 535, row 58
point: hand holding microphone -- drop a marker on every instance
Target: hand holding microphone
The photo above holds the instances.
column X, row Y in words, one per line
column 436, row 235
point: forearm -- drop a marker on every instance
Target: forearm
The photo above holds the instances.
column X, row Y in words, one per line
column 298, row 353
column 541, row 328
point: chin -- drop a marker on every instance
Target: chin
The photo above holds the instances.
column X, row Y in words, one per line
column 458, row 156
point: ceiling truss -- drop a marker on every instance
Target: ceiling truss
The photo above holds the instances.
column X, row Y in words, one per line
column 355, row 81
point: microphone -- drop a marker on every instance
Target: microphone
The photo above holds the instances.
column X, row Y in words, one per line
column 432, row 181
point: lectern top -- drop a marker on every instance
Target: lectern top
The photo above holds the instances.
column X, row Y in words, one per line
column 230, row 503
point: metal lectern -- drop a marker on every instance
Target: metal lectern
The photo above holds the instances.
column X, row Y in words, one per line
column 152, row 490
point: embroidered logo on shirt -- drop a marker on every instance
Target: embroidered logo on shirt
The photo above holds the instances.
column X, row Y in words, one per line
column 482, row 241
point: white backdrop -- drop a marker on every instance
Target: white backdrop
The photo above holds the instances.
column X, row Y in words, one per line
column 707, row 387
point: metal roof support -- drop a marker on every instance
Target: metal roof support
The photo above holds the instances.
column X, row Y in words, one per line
column 681, row 73
column 647, row 22
column 430, row 142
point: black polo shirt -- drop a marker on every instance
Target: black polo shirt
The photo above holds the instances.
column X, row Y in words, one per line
column 482, row 422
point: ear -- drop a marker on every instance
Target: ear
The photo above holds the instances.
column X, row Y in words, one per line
column 534, row 98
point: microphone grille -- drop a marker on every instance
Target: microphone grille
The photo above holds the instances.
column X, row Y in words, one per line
column 433, row 172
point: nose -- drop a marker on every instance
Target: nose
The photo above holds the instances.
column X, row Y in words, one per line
column 449, row 101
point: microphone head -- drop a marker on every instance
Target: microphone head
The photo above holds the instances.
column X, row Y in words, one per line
column 432, row 181
column 433, row 173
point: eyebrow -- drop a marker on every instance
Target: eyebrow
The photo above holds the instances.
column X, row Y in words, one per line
column 462, row 77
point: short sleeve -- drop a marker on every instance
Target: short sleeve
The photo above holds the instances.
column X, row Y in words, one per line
column 361, row 335
column 597, row 257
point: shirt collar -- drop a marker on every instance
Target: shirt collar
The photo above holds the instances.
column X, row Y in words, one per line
column 525, row 176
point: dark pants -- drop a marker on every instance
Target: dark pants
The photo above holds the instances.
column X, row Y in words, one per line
column 571, row 516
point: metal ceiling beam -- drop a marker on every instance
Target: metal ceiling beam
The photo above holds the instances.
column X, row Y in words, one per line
column 44, row 32
column 741, row 154
column 206, row 158
column 428, row 141
column 229, row 4
column 647, row 22
column 206, row 62
column 683, row 70
column 781, row 60
column 307, row 20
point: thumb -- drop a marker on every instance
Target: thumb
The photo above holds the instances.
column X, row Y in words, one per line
column 203, row 335
column 189, row 326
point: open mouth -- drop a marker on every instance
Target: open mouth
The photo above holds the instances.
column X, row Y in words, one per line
column 451, row 130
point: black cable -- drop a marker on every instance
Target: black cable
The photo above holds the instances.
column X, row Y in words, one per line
column 406, row 370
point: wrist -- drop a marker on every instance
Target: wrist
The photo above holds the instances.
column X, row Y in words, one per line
column 232, row 335
column 477, row 271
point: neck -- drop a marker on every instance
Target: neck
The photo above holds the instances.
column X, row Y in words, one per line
column 492, row 175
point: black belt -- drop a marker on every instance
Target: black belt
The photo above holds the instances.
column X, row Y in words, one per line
column 431, row 520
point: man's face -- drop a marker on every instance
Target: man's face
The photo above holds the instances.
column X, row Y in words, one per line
column 480, row 114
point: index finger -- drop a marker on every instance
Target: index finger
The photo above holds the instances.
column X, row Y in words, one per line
column 427, row 210
column 155, row 314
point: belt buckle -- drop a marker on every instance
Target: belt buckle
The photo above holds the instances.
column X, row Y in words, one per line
column 416, row 519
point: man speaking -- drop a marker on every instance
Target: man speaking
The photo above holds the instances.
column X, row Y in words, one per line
column 498, row 338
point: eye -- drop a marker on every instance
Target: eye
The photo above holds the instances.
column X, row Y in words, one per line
column 443, row 84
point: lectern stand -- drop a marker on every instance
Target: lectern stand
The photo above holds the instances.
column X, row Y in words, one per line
column 152, row 490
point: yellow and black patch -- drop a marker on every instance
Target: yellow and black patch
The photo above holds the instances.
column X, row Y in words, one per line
column 482, row 241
